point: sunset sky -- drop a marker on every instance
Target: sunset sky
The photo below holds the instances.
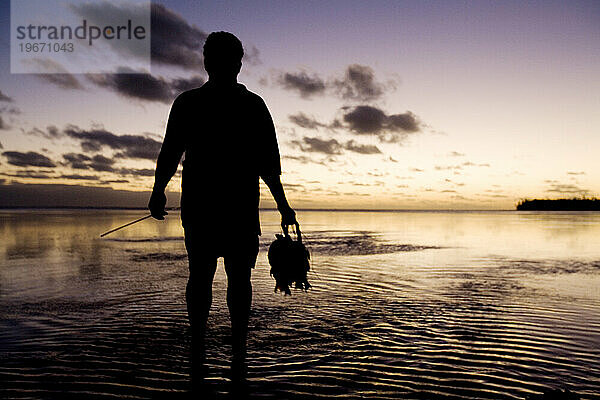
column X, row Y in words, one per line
column 377, row 104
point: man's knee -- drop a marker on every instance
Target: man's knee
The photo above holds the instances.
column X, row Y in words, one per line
column 239, row 282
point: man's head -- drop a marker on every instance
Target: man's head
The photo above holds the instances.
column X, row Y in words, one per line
column 223, row 54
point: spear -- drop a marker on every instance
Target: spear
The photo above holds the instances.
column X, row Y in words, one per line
column 131, row 223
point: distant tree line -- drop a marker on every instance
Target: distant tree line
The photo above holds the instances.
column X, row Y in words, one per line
column 574, row 204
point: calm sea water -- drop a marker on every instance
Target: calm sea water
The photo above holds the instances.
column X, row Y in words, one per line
column 423, row 305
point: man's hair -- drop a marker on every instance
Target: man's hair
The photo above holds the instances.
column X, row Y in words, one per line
column 223, row 46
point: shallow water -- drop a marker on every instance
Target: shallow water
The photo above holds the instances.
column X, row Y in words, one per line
column 497, row 305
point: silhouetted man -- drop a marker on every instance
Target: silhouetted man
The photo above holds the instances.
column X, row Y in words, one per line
column 229, row 141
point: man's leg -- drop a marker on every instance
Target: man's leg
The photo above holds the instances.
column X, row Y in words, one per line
column 198, row 294
column 238, row 267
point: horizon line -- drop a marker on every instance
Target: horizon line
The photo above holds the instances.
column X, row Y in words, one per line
column 261, row 209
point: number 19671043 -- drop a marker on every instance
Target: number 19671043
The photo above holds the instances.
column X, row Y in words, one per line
column 46, row 47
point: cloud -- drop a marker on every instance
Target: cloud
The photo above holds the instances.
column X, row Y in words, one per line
column 32, row 174
column 98, row 162
column 6, row 109
column 29, row 159
column 63, row 80
column 460, row 166
column 182, row 84
column 365, row 119
column 454, row 183
column 5, row 98
column 303, row 159
column 116, row 181
column 351, row 145
column 362, row 184
column 472, row 164
column 251, row 55
column 130, row 146
column 333, row 147
column 174, row 41
column 80, row 177
column 134, row 85
column 294, row 187
column 306, row 85
column 313, row 144
column 10, row 110
column 304, row 121
column 406, row 122
column 575, row 173
column 568, row 189
column 447, row 167
column 136, row 171
column 101, row 163
column 456, row 154
column 145, row 87
column 377, row 173
column 51, row 132
column 368, row 120
column 358, row 83
column 77, row 161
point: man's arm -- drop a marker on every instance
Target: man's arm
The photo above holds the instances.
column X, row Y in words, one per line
column 168, row 160
column 288, row 216
column 270, row 166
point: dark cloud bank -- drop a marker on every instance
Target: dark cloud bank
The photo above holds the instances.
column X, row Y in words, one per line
column 92, row 141
column 29, row 159
column 127, row 146
column 97, row 139
column 146, row 87
column 54, row 195
column 174, row 43
column 365, row 120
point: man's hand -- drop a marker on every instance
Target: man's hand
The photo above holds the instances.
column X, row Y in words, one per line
column 288, row 217
column 157, row 203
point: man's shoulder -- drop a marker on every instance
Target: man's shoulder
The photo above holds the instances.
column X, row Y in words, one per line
column 251, row 95
column 205, row 92
column 191, row 94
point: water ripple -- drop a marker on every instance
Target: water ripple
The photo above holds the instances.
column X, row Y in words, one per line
column 379, row 323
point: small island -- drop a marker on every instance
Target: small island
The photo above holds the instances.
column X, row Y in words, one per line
column 574, row 204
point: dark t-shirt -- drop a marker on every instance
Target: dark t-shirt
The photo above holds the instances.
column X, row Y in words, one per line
column 228, row 138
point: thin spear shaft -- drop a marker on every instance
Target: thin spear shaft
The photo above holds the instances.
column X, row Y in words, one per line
column 126, row 225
